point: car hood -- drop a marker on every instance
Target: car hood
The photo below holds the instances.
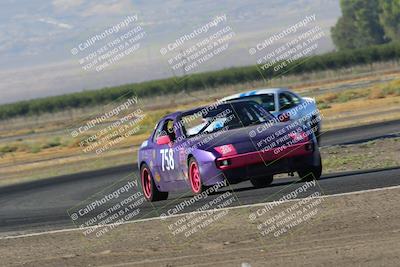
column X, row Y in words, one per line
column 246, row 139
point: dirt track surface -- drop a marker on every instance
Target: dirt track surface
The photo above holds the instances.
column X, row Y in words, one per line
column 359, row 230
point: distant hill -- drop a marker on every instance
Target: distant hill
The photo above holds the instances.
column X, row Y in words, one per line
column 37, row 35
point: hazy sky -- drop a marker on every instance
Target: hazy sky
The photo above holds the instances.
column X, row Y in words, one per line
column 36, row 38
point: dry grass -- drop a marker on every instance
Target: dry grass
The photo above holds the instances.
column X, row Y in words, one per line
column 343, row 97
column 376, row 93
column 392, row 89
column 359, row 113
column 328, row 98
column 50, row 150
column 381, row 153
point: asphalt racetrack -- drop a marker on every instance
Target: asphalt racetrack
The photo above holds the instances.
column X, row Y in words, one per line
column 47, row 204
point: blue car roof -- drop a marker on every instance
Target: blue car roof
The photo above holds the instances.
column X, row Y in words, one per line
column 255, row 92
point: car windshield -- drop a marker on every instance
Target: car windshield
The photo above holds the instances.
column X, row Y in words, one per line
column 225, row 116
column 265, row 100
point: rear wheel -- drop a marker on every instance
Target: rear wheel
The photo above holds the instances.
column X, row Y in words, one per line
column 310, row 173
column 195, row 177
column 149, row 188
column 261, row 182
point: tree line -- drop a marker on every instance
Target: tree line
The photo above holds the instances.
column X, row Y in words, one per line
column 200, row 81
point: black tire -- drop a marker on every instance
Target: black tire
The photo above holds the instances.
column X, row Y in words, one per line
column 261, row 182
column 311, row 172
column 153, row 194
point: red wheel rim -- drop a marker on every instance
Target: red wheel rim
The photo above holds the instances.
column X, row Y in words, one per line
column 195, row 181
column 146, row 183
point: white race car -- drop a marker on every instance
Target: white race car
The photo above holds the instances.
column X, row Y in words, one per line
column 282, row 101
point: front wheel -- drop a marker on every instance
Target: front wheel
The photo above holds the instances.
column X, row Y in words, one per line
column 149, row 188
column 261, row 182
column 195, row 177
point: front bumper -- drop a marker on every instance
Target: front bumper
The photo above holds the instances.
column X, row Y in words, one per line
column 263, row 156
column 263, row 163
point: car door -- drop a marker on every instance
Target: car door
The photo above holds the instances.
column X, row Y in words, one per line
column 155, row 164
column 287, row 103
column 295, row 101
column 165, row 154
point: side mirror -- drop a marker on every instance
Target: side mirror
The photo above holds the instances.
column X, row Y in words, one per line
column 163, row 140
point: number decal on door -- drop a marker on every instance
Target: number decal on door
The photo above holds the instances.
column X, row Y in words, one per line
column 167, row 159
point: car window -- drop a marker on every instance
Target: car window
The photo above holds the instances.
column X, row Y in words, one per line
column 170, row 129
column 295, row 99
column 225, row 116
column 252, row 114
column 267, row 101
column 286, row 101
column 165, row 128
column 158, row 131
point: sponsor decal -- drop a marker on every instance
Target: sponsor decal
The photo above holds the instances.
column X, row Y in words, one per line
column 182, row 157
column 157, row 176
